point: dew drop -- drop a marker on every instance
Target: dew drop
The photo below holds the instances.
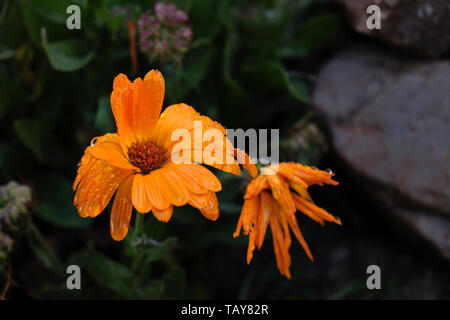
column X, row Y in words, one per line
column 94, row 141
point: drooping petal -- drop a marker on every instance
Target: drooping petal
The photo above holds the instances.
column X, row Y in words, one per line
column 256, row 186
column 281, row 193
column 281, row 252
column 139, row 194
column 302, row 208
column 211, row 210
column 289, row 173
column 311, row 175
column 300, row 190
column 266, row 207
column 248, row 216
column 163, row 215
column 198, row 201
column 121, row 210
column 317, row 211
column 298, row 234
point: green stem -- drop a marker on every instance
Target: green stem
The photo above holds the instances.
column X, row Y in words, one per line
column 139, row 225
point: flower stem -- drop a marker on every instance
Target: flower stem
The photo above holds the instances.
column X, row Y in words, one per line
column 139, row 225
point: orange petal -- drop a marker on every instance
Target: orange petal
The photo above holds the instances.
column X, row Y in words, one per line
column 281, row 252
column 301, row 191
column 211, row 210
column 281, row 193
column 202, row 176
column 182, row 116
column 171, row 186
column 95, row 184
column 163, row 215
column 111, row 152
column 256, row 186
column 136, row 106
column 191, row 185
column 123, row 111
column 298, row 234
column 154, row 193
column 289, row 174
column 121, row 210
column 265, row 209
column 319, row 212
column 245, row 161
column 198, row 201
column 302, row 208
column 149, row 99
column 139, row 194
column 251, row 245
column 311, row 175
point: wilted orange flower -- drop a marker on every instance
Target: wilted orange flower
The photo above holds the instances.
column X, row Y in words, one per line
column 136, row 163
column 272, row 199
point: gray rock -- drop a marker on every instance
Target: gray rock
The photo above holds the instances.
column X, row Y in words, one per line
column 390, row 122
column 419, row 26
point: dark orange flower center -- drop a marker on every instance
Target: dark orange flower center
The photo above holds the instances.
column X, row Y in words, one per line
column 146, row 155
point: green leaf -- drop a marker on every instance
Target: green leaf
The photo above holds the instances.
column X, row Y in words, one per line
column 55, row 203
column 106, row 272
column 31, row 132
column 157, row 250
column 66, row 55
column 53, row 10
column 312, row 34
column 271, row 74
column 46, row 14
column 230, row 49
column 42, row 255
column 36, row 135
column 196, row 65
column 296, row 87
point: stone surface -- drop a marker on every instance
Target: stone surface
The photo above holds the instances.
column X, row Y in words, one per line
column 390, row 123
column 419, row 26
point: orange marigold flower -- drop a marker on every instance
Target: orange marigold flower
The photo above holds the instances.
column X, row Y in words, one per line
column 271, row 200
column 136, row 164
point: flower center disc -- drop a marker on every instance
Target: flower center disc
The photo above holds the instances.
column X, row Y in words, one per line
column 147, row 156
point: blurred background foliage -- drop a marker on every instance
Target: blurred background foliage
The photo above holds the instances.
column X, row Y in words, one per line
column 250, row 64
